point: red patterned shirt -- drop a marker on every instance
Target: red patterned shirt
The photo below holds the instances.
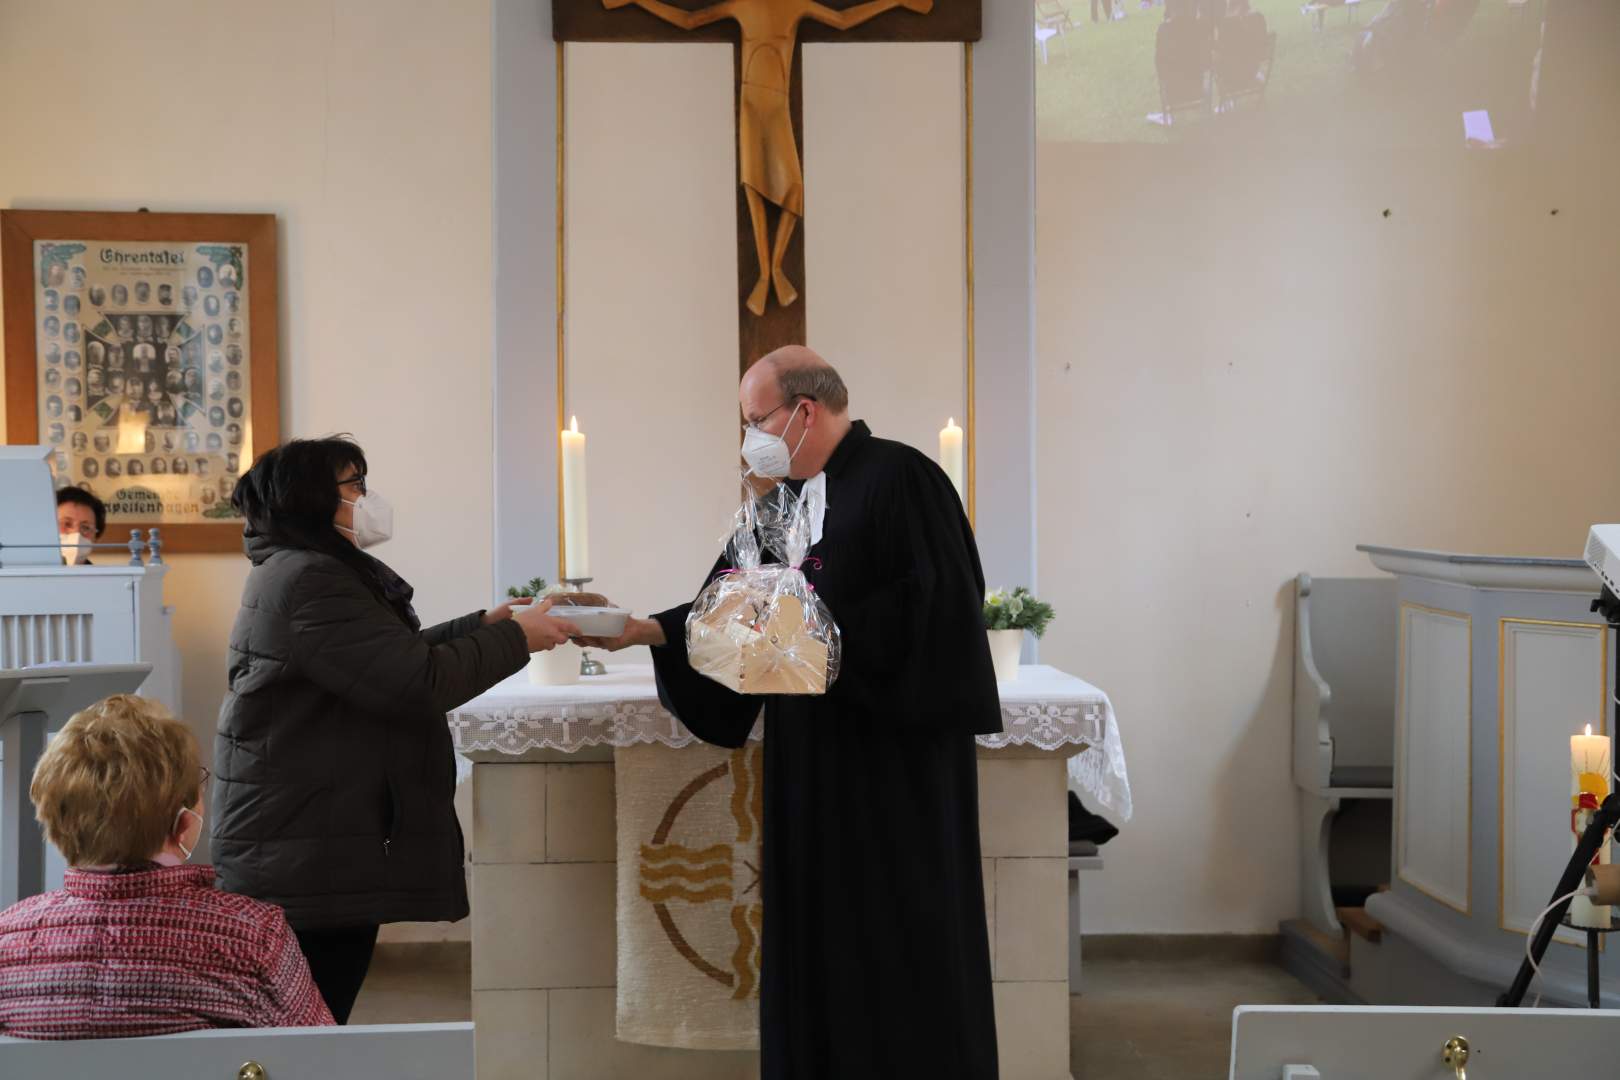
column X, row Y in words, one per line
column 149, row 952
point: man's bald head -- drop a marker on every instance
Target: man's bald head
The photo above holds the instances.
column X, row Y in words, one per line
column 795, row 394
column 800, row 371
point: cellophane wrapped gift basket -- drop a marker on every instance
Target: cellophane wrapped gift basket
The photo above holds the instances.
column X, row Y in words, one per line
column 760, row 628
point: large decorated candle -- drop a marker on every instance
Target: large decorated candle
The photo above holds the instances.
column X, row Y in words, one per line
column 576, row 530
column 1591, row 768
column 950, row 457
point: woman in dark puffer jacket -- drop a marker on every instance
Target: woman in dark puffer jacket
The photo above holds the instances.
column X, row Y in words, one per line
column 333, row 768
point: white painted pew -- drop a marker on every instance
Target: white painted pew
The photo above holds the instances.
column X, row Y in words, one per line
column 1361, row 1042
column 362, row 1052
column 1344, row 726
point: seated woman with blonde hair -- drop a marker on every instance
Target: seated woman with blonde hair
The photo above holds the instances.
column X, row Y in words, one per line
column 138, row 942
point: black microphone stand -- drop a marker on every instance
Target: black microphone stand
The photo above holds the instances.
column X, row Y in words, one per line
column 1606, row 818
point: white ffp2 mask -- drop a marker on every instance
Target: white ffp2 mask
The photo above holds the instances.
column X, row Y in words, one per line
column 75, row 548
column 373, row 520
column 768, row 455
column 185, row 850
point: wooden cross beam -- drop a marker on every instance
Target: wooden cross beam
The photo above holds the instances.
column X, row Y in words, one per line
column 768, row 36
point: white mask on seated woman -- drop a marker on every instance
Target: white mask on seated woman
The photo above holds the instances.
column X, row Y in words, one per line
column 163, row 858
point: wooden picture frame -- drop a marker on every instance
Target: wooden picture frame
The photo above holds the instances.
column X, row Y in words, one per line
column 178, row 309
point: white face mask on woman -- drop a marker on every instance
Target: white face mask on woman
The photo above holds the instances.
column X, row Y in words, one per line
column 185, row 850
column 165, row 859
column 373, row 520
column 75, row 548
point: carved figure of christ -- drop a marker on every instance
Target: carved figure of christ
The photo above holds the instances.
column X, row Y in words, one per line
column 767, row 153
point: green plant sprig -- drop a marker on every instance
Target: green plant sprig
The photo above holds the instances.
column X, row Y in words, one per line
column 1017, row 610
column 535, row 587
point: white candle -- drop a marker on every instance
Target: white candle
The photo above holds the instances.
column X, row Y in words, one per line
column 576, row 532
column 950, row 457
column 1591, row 772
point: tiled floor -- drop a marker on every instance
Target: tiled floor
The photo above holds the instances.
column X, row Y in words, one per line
column 1158, row 1019
column 1139, row 1019
column 416, row 984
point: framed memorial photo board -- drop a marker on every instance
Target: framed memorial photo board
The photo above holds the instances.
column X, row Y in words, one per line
column 141, row 348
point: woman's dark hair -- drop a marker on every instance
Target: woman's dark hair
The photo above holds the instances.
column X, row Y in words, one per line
column 290, row 497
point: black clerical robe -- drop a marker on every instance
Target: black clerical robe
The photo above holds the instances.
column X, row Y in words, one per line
column 875, row 960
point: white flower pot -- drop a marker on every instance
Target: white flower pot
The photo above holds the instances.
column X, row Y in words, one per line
column 555, row 667
column 1005, row 648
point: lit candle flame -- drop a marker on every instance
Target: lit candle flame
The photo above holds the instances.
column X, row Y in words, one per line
column 573, row 426
column 1589, row 729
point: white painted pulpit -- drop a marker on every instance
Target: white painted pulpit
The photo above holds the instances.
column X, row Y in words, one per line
column 1499, row 662
column 56, row 620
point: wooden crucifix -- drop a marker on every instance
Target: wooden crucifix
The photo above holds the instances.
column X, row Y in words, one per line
column 770, row 116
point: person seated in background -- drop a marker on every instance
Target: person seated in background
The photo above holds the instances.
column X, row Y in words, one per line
column 81, row 518
column 1181, row 56
column 137, row 942
column 1242, row 42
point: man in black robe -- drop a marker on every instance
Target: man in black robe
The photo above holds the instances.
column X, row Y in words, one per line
column 875, row 960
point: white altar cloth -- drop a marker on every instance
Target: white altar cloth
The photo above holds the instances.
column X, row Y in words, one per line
column 1043, row 708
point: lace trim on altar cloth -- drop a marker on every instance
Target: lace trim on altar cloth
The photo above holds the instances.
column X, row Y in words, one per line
column 1097, row 767
column 569, row 728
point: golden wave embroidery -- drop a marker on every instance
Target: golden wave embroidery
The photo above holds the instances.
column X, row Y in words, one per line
column 662, row 853
column 702, row 873
column 671, row 871
column 756, row 919
column 739, row 796
column 757, row 806
column 720, row 890
column 741, row 959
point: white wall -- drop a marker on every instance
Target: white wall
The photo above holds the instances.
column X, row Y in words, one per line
column 364, row 125
column 884, row 250
column 1245, row 369
column 650, row 344
column 650, row 267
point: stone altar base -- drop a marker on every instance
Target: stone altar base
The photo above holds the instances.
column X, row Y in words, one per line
column 543, row 900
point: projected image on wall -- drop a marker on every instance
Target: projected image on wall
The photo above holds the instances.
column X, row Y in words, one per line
column 1390, row 72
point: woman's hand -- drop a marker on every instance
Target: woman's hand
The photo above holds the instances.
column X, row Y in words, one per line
column 542, row 631
column 504, row 612
column 636, row 632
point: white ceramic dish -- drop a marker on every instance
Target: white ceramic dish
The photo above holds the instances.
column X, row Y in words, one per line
column 604, row 622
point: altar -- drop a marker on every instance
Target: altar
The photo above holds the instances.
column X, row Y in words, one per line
column 556, row 875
